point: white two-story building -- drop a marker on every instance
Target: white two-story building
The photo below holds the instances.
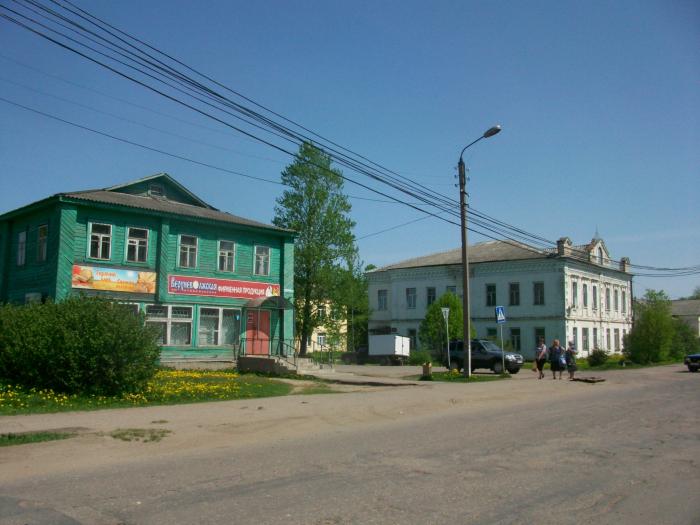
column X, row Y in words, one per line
column 573, row 293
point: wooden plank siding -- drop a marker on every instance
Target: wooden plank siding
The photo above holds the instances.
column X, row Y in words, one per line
column 69, row 218
column 34, row 276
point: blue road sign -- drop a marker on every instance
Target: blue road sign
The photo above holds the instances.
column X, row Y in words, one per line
column 500, row 314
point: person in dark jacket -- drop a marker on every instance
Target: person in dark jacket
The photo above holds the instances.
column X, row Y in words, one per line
column 540, row 358
column 571, row 359
column 556, row 353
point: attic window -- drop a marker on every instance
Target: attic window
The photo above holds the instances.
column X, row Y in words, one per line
column 156, row 190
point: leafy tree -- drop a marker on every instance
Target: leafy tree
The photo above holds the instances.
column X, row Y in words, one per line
column 432, row 328
column 651, row 337
column 356, row 299
column 315, row 207
column 695, row 294
column 684, row 340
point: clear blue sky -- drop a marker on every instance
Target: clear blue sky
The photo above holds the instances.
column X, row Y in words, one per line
column 599, row 103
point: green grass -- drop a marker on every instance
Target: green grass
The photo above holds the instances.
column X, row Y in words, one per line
column 8, row 440
column 168, row 387
column 453, row 377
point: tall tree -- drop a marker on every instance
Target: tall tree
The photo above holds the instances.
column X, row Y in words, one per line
column 316, row 208
column 651, row 337
column 432, row 329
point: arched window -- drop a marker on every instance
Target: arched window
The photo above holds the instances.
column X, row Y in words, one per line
column 600, row 255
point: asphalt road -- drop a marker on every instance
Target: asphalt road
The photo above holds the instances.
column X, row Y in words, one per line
column 625, row 451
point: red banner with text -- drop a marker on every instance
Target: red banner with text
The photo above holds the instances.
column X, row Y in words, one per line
column 210, row 287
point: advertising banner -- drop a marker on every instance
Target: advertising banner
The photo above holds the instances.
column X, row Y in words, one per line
column 211, row 287
column 113, row 279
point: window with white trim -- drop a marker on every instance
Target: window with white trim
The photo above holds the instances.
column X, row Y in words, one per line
column 624, row 302
column 430, row 295
column 584, row 339
column 100, row 241
column 410, row 297
column 262, row 260
column 574, row 294
column 21, row 248
column 42, row 242
column 137, row 245
column 174, row 323
column 514, row 292
column 538, row 293
column 585, row 295
column 607, row 299
column 226, row 256
column 595, row 298
column 188, row 251
column 616, row 298
column 382, row 300
column 219, row 326
column 490, row 295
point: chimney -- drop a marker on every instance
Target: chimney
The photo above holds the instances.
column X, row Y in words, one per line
column 625, row 264
column 564, row 247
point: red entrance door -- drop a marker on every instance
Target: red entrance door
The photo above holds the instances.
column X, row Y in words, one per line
column 257, row 332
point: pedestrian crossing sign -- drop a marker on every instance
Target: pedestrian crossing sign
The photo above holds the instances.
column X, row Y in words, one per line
column 500, row 314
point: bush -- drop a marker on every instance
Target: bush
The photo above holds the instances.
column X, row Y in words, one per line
column 83, row 345
column 597, row 357
column 418, row 357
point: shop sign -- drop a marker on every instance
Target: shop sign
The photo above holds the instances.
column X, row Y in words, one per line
column 113, row 279
column 207, row 286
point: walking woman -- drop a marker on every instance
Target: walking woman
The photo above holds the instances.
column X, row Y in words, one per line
column 571, row 359
column 540, row 358
column 556, row 356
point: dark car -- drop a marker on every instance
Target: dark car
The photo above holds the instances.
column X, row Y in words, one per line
column 692, row 361
column 485, row 354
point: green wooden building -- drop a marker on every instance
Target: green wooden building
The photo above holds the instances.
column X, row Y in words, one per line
column 212, row 283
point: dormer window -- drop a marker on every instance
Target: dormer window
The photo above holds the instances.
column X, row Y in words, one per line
column 600, row 255
column 156, row 190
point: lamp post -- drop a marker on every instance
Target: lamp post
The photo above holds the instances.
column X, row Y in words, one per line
column 466, row 338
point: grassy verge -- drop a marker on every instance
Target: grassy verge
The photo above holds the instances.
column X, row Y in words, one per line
column 168, row 387
column 7, row 440
column 453, row 376
column 615, row 364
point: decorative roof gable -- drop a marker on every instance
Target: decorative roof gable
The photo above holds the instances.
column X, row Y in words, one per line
column 163, row 186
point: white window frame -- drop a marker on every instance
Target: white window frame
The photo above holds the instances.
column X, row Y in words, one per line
column 136, row 244
column 584, row 293
column 42, row 243
column 491, row 301
column 513, row 287
column 607, row 298
column 430, row 298
column 574, row 294
column 219, row 326
column 179, row 250
column 411, row 298
column 595, row 297
column 156, row 190
column 22, row 248
column 382, row 305
column 585, row 339
column 255, row 259
column 100, row 236
column 534, row 293
column 169, row 320
column 616, row 300
column 624, row 302
column 233, row 256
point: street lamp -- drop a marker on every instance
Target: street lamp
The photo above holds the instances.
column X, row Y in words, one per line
column 466, row 338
